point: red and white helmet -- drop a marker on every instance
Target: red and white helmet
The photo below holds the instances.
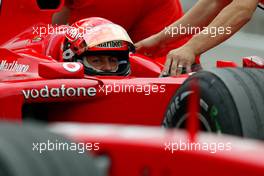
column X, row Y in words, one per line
column 92, row 36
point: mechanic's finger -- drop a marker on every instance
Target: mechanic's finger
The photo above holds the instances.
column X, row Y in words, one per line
column 144, row 52
column 138, row 45
column 179, row 68
column 139, row 48
column 188, row 68
column 166, row 69
column 174, row 66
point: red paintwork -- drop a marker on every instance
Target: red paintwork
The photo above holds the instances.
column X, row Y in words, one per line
column 54, row 71
column 43, row 70
column 127, row 107
column 193, row 109
column 136, row 151
column 224, row 64
column 20, row 14
column 133, row 151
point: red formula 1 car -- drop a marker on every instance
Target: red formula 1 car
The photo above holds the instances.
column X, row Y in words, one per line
column 37, row 83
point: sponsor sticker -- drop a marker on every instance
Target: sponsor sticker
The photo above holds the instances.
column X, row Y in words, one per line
column 71, row 66
column 13, row 66
column 111, row 44
column 59, row 92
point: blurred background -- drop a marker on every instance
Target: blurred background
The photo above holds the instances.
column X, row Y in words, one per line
column 248, row 42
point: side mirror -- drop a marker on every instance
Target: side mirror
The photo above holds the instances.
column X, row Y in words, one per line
column 61, row 70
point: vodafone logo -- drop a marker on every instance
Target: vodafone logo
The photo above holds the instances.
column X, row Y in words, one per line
column 71, row 66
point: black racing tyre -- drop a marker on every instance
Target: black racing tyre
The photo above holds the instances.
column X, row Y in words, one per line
column 231, row 102
column 18, row 156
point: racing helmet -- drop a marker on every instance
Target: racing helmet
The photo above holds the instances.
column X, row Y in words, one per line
column 98, row 38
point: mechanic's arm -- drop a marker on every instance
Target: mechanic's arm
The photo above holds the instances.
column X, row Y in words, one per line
column 200, row 15
column 234, row 16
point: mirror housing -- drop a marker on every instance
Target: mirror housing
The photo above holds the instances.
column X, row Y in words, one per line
column 61, row 70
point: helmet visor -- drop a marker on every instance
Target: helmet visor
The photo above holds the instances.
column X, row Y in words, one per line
column 105, row 33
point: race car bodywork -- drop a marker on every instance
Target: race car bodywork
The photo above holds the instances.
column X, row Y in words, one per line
column 136, row 150
column 33, row 79
column 36, row 83
column 117, row 150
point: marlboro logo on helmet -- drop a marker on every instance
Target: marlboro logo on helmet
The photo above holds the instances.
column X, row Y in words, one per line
column 111, row 44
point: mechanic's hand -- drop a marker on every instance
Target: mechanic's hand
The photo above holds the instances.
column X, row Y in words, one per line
column 178, row 59
column 149, row 47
